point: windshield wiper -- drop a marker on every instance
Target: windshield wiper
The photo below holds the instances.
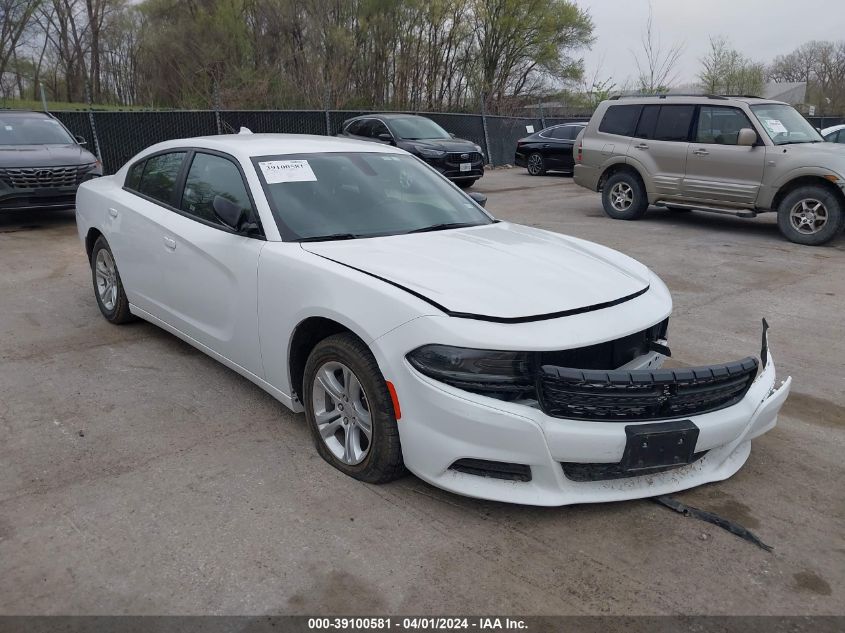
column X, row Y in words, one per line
column 329, row 238
column 443, row 226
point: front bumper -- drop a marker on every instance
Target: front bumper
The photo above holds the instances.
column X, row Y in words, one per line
column 441, row 425
column 54, row 198
column 451, row 168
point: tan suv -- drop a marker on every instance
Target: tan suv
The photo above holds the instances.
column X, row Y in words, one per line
column 735, row 155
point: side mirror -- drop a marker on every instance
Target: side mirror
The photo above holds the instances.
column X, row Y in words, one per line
column 81, row 140
column 229, row 213
column 479, row 197
column 746, row 137
column 452, row 135
column 386, row 137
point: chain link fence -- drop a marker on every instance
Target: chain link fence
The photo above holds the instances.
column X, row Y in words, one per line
column 117, row 136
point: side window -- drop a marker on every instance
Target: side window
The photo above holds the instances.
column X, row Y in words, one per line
column 366, row 128
column 211, row 176
column 720, row 125
column 673, row 123
column 648, row 121
column 564, row 132
column 620, row 119
column 354, row 127
column 133, row 177
column 378, row 128
column 840, row 136
column 158, row 180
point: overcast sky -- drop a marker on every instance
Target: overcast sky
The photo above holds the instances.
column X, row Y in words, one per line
column 760, row 29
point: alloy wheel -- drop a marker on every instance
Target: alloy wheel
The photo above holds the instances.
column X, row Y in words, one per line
column 106, row 276
column 808, row 216
column 535, row 164
column 342, row 412
column 621, row 196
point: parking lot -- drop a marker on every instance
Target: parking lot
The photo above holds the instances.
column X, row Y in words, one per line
column 139, row 476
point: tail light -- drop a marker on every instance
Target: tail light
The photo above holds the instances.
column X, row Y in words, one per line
column 580, row 148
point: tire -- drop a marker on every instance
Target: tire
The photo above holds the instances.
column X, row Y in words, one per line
column 380, row 460
column 811, row 215
column 108, row 287
column 466, row 183
column 623, row 197
column 536, row 164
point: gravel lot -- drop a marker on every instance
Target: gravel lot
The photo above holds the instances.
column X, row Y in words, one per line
column 139, row 476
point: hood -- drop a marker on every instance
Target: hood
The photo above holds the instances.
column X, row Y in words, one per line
column 498, row 272
column 820, row 151
column 44, row 155
column 443, row 144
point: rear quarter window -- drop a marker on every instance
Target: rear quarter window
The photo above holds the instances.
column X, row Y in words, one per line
column 133, row 177
column 620, row 119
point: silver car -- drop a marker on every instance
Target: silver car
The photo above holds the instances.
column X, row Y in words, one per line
column 736, row 155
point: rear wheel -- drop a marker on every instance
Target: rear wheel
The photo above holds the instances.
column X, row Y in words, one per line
column 623, row 197
column 108, row 288
column 810, row 215
column 350, row 411
column 536, row 164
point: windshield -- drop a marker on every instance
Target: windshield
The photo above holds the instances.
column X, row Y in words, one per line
column 351, row 195
column 784, row 125
column 32, row 130
column 417, row 127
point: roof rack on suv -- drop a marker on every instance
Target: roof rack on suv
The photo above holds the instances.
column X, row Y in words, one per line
column 664, row 96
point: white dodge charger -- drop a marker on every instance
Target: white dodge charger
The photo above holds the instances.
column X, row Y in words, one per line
column 353, row 282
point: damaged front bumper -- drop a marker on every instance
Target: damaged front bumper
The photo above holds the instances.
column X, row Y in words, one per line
column 548, row 454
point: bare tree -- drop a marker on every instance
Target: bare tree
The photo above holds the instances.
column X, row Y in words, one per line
column 657, row 68
column 15, row 17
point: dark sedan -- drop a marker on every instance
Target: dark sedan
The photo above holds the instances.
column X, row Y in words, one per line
column 549, row 149
column 461, row 161
column 41, row 163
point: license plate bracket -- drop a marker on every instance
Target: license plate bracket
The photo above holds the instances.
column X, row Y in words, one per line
column 466, row 166
column 659, row 445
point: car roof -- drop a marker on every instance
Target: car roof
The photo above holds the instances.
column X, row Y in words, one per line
column 832, row 128
column 25, row 113
column 691, row 99
column 247, row 145
column 388, row 116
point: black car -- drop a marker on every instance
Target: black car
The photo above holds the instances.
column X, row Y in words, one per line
column 461, row 161
column 41, row 162
column 549, row 149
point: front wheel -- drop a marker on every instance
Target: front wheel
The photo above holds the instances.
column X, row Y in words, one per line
column 623, row 197
column 108, row 287
column 350, row 412
column 810, row 215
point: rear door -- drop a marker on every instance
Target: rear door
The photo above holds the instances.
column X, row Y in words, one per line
column 718, row 170
column 659, row 148
column 557, row 146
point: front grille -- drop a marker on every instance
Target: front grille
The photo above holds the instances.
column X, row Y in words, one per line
column 643, row 394
column 603, row 472
column 496, row 470
column 44, row 177
column 456, row 158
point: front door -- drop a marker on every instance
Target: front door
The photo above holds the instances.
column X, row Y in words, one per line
column 211, row 272
column 659, row 148
column 718, row 170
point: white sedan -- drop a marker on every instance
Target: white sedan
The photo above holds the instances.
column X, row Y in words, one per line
column 353, row 282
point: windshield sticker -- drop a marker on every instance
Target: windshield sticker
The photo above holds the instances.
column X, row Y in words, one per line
column 775, row 126
column 276, row 171
column 8, row 128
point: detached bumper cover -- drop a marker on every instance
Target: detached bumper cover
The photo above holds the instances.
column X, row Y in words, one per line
column 571, row 460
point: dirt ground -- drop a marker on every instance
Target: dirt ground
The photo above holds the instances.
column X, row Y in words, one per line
column 138, row 476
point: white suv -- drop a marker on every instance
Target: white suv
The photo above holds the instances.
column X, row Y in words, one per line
column 735, row 155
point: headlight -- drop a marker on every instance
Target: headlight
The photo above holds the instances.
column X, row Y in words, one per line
column 478, row 149
column 428, row 152
column 499, row 374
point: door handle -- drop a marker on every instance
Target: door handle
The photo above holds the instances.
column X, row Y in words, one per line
column 170, row 243
column 641, row 146
column 113, row 212
column 700, row 152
